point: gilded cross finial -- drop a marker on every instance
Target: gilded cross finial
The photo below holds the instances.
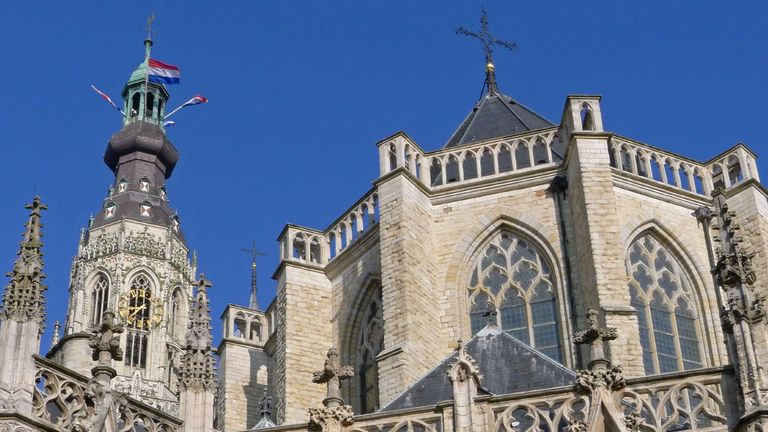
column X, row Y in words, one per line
column 488, row 41
column 332, row 374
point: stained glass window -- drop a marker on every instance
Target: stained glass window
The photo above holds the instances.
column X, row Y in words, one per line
column 512, row 276
column 662, row 295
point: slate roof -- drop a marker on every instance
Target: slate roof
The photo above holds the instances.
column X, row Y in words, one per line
column 140, row 150
column 507, row 365
column 496, row 115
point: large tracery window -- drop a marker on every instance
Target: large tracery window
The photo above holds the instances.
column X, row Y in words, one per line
column 662, row 295
column 371, row 342
column 139, row 303
column 99, row 298
column 512, row 276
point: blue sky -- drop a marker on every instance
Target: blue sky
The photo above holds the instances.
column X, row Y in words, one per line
column 300, row 92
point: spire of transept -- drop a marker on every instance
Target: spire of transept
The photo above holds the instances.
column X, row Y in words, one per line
column 197, row 369
column 23, row 299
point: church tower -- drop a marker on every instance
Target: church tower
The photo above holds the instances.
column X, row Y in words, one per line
column 133, row 258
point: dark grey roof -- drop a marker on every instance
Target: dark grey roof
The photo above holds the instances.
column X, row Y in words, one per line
column 507, row 365
column 496, row 115
column 140, row 151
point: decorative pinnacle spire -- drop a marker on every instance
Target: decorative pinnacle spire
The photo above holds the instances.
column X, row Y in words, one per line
column 253, row 302
column 488, row 40
column 197, row 368
column 23, row 299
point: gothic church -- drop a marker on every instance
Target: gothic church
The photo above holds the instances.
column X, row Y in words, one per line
column 530, row 275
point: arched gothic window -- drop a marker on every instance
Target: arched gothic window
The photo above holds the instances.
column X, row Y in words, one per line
column 137, row 337
column 178, row 312
column 99, row 298
column 370, row 344
column 662, row 295
column 511, row 275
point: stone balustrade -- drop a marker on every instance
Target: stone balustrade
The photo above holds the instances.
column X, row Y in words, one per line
column 659, row 165
column 693, row 400
column 724, row 171
column 61, row 398
column 472, row 162
column 307, row 245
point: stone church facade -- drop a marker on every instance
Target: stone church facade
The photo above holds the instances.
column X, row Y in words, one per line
column 528, row 276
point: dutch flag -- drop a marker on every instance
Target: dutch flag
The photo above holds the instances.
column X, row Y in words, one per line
column 159, row 72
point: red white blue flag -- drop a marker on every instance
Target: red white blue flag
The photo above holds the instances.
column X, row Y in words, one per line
column 162, row 73
column 197, row 100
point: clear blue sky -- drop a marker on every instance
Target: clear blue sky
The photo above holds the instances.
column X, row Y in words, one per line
column 301, row 91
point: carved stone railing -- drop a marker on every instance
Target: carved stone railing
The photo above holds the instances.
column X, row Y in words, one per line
column 693, row 401
column 487, row 159
column 422, row 420
column 307, row 245
column 60, row 398
column 659, row 165
column 538, row 411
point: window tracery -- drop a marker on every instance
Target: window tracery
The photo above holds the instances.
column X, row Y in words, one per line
column 99, row 298
column 513, row 276
column 662, row 294
column 371, row 342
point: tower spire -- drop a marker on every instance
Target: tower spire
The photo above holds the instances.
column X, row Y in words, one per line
column 253, row 302
column 23, row 299
column 488, row 41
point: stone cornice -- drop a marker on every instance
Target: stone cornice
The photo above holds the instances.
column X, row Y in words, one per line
column 658, row 190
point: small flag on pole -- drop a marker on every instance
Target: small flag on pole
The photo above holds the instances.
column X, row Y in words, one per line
column 197, row 100
column 106, row 98
column 162, row 73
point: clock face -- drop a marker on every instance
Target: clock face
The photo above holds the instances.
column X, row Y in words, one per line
column 139, row 309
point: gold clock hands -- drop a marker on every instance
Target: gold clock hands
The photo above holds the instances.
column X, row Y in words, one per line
column 137, row 310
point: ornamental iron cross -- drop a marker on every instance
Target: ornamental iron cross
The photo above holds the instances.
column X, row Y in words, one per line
column 332, row 374
column 486, row 37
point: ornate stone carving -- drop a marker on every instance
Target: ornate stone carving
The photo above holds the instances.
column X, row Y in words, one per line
column 23, row 299
column 197, row 368
column 632, row 422
column 594, row 335
column 576, row 426
column 103, row 244
column 105, row 339
column 331, row 418
column 464, row 367
column 331, row 375
column 145, row 244
column 334, row 414
column 611, row 378
column 9, row 399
